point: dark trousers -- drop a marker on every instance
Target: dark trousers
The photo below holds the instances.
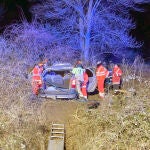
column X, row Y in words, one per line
column 116, row 86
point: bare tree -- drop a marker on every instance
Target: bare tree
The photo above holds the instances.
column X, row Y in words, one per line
column 33, row 42
column 27, row 39
column 90, row 25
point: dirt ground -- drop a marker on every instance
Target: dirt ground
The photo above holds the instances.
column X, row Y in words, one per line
column 59, row 111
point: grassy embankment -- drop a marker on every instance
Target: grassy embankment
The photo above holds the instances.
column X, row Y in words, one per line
column 120, row 122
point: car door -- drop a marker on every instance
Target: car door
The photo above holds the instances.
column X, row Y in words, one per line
column 92, row 79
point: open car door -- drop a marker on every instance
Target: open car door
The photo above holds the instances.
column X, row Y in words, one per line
column 92, row 79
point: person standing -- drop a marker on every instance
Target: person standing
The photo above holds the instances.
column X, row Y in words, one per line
column 101, row 74
column 78, row 74
column 36, row 78
column 85, row 84
column 116, row 77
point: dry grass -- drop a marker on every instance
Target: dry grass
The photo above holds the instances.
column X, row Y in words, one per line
column 124, row 125
column 122, row 122
column 20, row 125
column 25, row 124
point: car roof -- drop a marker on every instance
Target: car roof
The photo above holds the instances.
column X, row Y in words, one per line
column 60, row 67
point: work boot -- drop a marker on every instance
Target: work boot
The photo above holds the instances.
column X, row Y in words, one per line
column 82, row 99
column 81, row 95
column 85, row 98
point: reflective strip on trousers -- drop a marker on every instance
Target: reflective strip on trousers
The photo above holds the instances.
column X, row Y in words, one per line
column 84, row 86
column 37, row 81
column 116, row 82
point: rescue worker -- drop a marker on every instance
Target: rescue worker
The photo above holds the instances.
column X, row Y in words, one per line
column 36, row 78
column 101, row 74
column 85, row 84
column 78, row 74
column 116, row 77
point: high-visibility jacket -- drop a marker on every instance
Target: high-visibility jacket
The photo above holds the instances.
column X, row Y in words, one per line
column 84, row 84
column 117, row 73
column 101, row 74
column 36, row 79
column 78, row 72
column 36, row 73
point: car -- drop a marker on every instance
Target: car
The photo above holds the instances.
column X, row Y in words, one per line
column 57, row 82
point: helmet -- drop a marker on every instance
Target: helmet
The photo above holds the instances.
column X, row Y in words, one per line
column 99, row 62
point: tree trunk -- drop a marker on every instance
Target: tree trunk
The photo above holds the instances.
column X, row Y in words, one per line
column 85, row 33
column 82, row 39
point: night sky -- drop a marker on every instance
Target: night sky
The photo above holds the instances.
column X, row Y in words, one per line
column 142, row 32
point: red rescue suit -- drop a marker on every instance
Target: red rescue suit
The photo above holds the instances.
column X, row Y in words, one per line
column 36, row 79
column 117, row 73
column 101, row 74
column 84, row 85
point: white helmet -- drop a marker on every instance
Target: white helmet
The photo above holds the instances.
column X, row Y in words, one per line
column 99, row 62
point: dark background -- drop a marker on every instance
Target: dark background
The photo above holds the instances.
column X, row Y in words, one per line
column 14, row 9
column 142, row 31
